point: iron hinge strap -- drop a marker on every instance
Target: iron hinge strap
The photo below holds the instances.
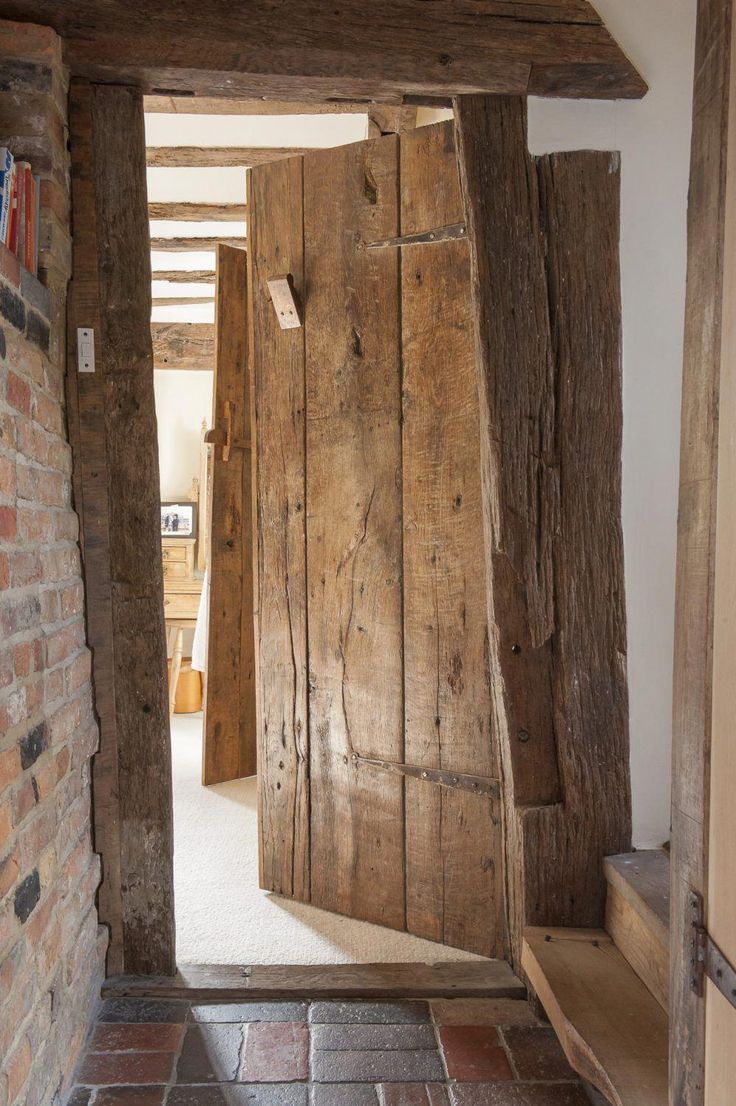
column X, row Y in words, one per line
column 707, row 960
column 452, row 233
column 478, row 785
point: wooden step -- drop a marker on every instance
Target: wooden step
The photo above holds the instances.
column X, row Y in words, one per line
column 613, row 1031
column 637, row 915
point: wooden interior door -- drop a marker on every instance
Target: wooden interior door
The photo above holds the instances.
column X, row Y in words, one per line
column 378, row 770
column 230, row 714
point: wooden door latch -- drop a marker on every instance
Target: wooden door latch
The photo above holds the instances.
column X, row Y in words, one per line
column 224, row 437
column 706, row 959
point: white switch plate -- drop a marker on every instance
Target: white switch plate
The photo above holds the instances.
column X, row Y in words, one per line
column 85, row 349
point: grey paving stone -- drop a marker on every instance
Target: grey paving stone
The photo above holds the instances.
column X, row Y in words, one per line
column 250, row 1012
column 385, row 1013
column 241, row 1094
column 377, row 1067
column 343, row 1094
column 80, row 1096
column 518, row 1094
column 143, row 1010
column 360, row 1037
column 413, row 1094
column 210, row 1054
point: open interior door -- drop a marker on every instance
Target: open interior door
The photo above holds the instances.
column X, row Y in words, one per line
column 378, row 770
column 230, row 716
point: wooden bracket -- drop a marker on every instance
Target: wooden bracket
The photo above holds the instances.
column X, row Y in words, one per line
column 224, row 438
column 284, row 302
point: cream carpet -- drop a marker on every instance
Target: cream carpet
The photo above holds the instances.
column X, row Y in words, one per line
column 222, row 916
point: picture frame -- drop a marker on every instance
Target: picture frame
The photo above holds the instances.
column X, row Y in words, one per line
column 179, row 519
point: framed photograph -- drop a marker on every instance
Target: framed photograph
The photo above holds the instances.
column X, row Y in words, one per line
column 178, row 520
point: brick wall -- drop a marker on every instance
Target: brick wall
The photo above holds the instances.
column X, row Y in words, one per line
column 51, row 947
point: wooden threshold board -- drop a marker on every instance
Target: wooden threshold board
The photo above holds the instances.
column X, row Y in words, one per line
column 614, row 1032
column 236, row 983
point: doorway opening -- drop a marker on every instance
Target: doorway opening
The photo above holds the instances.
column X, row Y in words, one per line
column 197, row 184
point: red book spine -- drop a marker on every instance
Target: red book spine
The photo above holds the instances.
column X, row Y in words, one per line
column 30, row 214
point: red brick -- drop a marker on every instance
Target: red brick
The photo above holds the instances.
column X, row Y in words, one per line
column 25, row 568
column 35, row 525
column 62, row 643
column 9, row 869
column 473, row 1054
column 18, row 394
column 8, row 481
column 125, row 1068
column 8, row 523
column 72, row 600
column 9, row 266
column 9, row 766
column 78, row 672
column 4, row 571
column 14, row 709
column 275, row 1052
column 6, row 826
column 24, row 801
column 127, row 1037
column 17, row 1067
column 31, row 441
column 47, row 413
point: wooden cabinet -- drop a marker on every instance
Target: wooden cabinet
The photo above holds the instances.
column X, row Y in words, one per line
column 182, row 588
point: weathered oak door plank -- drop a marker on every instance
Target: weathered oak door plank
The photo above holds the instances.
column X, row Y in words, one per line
column 276, row 247
column 354, row 572
column 230, row 715
column 458, row 901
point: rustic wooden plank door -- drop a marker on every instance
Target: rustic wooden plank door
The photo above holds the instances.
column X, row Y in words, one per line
column 378, row 771
column 230, row 715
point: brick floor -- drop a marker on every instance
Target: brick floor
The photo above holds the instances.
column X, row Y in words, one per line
column 456, row 1052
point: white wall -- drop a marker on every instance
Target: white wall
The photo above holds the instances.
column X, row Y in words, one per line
column 653, row 136
column 183, row 399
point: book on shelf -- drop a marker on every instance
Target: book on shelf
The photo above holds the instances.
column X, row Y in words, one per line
column 20, row 201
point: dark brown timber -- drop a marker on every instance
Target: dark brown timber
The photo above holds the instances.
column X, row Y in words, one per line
column 109, row 167
column 544, row 260
column 355, row 51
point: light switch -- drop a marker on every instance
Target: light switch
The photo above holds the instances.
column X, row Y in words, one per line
column 85, row 349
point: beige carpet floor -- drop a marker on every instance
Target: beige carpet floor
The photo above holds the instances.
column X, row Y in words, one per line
column 222, row 916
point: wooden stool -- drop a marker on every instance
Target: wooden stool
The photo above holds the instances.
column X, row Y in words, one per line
column 176, row 628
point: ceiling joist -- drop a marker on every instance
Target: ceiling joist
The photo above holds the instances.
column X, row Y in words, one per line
column 197, row 213
column 191, row 245
column 183, row 345
column 184, row 276
column 309, row 52
column 220, row 157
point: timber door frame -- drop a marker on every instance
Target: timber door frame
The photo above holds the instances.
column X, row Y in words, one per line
column 136, row 895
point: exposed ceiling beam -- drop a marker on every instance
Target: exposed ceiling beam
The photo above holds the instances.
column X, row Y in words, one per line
column 191, row 245
column 183, row 345
column 185, row 276
column 195, row 212
column 224, row 105
column 356, row 51
column 180, row 301
column 220, row 157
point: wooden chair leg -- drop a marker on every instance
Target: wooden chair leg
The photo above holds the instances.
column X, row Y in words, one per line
column 175, row 667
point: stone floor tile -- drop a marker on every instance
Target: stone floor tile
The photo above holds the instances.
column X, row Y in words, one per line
column 377, row 1067
column 250, row 1012
column 275, row 1052
column 130, row 1096
column 536, row 1053
column 143, row 1010
column 340, row 1094
column 361, row 1037
column 241, row 1094
column 473, row 1053
column 518, row 1094
column 79, row 1096
column 483, row 1011
column 413, row 1094
column 100, row 1068
column 388, row 1013
column 136, row 1037
column 210, row 1054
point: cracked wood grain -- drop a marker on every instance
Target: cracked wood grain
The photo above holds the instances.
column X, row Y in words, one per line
column 276, row 245
column 460, row 900
column 353, row 531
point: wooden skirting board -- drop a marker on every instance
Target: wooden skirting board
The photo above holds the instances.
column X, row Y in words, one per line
column 233, row 983
column 614, row 1033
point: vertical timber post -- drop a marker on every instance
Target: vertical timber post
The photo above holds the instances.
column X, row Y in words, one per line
column 544, row 237
column 117, row 456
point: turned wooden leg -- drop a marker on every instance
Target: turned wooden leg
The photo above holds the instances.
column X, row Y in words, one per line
column 175, row 667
